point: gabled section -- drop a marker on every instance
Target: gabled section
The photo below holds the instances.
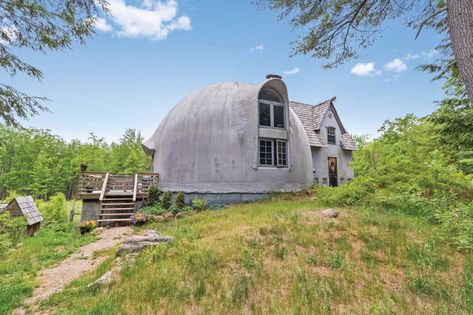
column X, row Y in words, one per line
column 311, row 117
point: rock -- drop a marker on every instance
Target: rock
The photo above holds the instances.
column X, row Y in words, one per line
column 179, row 215
column 331, row 213
column 168, row 216
column 156, row 218
column 137, row 243
column 104, row 280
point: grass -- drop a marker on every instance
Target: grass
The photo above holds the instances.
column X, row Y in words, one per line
column 281, row 256
column 77, row 211
column 19, row 266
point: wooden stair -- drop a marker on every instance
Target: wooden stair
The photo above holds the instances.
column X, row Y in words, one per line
column 116, row 210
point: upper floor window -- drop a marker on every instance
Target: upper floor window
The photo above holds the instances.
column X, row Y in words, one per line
column 271, row 109
column 331, row 139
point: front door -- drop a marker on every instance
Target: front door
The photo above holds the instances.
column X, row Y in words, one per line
column 332, row 172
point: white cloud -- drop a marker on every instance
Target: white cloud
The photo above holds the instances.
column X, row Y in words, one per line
column 430, row 54
column 154, row 19
column 102, row 25
column 364, row 69
column 292, row 71
column 397, row 65
column 410, row 56
column 259, row 48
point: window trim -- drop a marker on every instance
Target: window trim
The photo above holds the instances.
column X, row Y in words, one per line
column 334, row 135
column 271, row 110
column 274, row 153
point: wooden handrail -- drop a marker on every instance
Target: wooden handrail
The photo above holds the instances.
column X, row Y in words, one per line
column 104, row 186
column 135, row 187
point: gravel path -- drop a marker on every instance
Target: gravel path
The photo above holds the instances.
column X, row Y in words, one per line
column 55, row 279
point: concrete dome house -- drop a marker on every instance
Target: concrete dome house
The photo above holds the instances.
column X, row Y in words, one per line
column 236, row 142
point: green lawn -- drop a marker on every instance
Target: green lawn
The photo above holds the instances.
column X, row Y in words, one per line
column 77, row 211
column 18, row 267
column 283, row 257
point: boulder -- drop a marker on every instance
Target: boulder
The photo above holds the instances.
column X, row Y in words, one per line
column 179, row 215
column 104, row 280
column 168, row 216
column 331, row 213
column 137, row 243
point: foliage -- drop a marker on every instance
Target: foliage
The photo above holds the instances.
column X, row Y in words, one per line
column 153, row 196
column 38, row 163
column 179, row 200
column 166, row 200
column 54, row 212
column 200, row 204
column 156, row 210
column 39, row 26
column 406, row 169
column 139, row 218
column 250, row 253
column 12, row 230
column 87, row 226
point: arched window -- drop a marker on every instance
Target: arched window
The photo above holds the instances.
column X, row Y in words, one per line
column 271, row 109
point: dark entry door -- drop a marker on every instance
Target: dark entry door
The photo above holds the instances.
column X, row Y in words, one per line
column 332, row 172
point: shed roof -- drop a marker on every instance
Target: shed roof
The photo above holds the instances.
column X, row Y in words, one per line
column 3, row 206
column 311, row 117
column 27, row 207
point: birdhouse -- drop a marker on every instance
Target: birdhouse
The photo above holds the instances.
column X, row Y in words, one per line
column 25, row 207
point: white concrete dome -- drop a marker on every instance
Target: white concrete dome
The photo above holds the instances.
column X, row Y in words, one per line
column 209, row 143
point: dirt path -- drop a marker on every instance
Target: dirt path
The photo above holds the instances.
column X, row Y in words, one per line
column 55, row 279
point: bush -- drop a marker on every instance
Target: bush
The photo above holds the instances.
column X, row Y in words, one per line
column 12, row 230
column 200, row 204
column 179, row 201
column 54, row 211
column 166, row 200
column 156, row 210
column 139, row 218
column 153, row 196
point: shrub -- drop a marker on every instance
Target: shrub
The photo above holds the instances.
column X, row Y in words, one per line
column 12, row 230
column 179, row 201
column 139, row 218
column 200, row 204
column 156, row 210
column 153, row 196
column 166, row 200
column 54, row 212
column 87, row 226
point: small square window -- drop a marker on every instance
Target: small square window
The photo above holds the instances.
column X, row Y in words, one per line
column 331, row 139
column 316, row 180
column 281, row 152
column 342, row 180
column 266, row 152
column 324, row 181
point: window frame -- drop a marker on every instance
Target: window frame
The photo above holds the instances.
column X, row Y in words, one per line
column 275, row 158
column 329, row 135
column 272, row 104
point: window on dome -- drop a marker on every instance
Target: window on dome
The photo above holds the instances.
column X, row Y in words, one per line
column 271, row 109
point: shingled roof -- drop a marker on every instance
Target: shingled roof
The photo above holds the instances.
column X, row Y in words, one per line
column 311, row 117
column 27, row 207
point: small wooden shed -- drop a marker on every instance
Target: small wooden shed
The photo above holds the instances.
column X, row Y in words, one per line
column 26, row 207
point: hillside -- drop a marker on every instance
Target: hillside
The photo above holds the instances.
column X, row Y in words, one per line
column 282, row 256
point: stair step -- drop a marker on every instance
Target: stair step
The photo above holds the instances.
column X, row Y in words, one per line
column 118, row 199
column 117, row 203
column 129, row 214
column 126, row 208
column 113, row 220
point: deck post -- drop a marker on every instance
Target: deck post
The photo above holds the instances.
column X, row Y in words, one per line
column 135, row 187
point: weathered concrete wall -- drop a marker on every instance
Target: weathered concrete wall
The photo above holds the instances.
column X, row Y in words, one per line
column 90, row 210
column 320, row 155
column 208, row 143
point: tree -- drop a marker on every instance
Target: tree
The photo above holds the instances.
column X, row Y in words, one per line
column 336, row 29
column 40, row 25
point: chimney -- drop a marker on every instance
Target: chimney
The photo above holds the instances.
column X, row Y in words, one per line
column 274, row 76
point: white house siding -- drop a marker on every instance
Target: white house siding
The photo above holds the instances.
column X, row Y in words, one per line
column 320, row 155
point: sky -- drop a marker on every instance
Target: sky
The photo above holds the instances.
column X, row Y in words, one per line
column 150, row 54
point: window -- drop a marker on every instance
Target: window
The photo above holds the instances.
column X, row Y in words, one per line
column 331, row 135
column 273, row 152
column 266, row 152
column 324, row 181
column 271, row 109
column 282, row 153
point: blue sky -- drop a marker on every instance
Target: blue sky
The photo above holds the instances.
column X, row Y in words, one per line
column 149, row 55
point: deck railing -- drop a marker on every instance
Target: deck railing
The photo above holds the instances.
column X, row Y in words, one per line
column 105, row 183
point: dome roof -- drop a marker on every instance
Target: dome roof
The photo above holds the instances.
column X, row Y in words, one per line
column 208, row 143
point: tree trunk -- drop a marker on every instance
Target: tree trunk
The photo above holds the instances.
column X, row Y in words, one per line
column 460, row 25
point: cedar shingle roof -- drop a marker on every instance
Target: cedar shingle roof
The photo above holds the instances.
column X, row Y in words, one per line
column 311, row 117
column 27, row 207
